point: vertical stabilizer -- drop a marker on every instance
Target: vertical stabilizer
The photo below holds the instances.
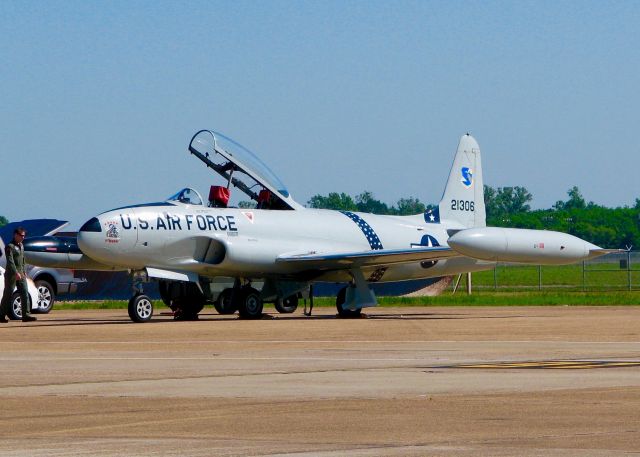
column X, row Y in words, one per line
column 463, row 199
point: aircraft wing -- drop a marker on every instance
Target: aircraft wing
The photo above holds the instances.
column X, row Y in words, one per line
column 381, row 257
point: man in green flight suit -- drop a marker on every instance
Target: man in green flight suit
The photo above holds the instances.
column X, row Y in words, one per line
column 15, row 275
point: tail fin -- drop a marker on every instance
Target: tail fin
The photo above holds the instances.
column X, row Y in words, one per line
column 463, row 198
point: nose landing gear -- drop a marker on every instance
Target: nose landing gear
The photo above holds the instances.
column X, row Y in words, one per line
column 140, row 308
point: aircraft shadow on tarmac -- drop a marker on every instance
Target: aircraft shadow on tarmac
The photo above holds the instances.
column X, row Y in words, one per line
column 407, row 316
column 164, row 318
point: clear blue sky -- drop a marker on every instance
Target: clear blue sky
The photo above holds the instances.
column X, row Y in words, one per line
column 99, row 99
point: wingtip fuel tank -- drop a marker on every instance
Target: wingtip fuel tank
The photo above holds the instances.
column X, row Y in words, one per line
column 522, row 245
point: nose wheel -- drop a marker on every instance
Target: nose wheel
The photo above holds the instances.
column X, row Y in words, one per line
column 140, row 308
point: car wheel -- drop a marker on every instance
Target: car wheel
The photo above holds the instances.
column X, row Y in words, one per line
column 340, row 299
column 250, row 304
column 46, row 296
column 15, row 310
column 140, row 308
column 287, row 305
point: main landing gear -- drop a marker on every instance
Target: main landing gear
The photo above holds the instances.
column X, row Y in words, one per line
column 357, row 295
column 286, row 305
column 248, row 302
column 242, row 298
column 348, row 312
column 185, row 299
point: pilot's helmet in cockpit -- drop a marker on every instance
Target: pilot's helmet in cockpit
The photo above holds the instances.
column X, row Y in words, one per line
column 264, row 199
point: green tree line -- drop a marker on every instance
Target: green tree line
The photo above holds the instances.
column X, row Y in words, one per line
column 510, row 207
column 367, row 203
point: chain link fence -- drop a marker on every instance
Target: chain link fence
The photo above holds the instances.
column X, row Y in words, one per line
column 617, row 271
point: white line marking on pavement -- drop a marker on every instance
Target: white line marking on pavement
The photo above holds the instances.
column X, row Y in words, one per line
column 330, row 342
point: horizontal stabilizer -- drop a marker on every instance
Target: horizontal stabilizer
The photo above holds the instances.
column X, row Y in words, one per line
column 381, row 257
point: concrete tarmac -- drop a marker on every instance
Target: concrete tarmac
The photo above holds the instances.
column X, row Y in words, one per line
column 417, row 381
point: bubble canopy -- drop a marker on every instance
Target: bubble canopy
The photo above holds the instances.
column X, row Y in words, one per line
column 188, row 196
column 210, row 147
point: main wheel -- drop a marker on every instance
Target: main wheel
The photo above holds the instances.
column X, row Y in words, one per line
column 165, row 292
column 287, row 305
column 188, row 303
column 46, row 296
column 250, row 303
column 340, row 299
column 140, row 308
column 225, row 302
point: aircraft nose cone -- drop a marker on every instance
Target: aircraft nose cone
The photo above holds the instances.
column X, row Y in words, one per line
column 90, row 237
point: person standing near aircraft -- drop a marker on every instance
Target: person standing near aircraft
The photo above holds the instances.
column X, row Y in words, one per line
column 15, row 275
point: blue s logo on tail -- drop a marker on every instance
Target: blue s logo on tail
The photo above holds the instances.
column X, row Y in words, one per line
column 467, row 176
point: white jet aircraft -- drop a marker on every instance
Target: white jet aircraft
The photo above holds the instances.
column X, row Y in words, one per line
column 185, row 242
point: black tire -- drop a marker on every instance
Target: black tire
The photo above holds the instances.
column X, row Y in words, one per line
column 46, row 296
column 185, row 300
column 140, row 308
column 340, row 299
column 191, row 303
column 225, row 303
column 250, row 303
column 15, row 307
column 287, row 305
column 165, row 295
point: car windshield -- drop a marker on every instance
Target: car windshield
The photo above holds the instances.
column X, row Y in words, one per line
column 187, row 195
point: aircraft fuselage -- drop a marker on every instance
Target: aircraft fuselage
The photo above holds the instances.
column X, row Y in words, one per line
column 247, row 242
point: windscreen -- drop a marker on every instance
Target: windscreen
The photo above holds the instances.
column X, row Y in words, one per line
column 188, row 196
